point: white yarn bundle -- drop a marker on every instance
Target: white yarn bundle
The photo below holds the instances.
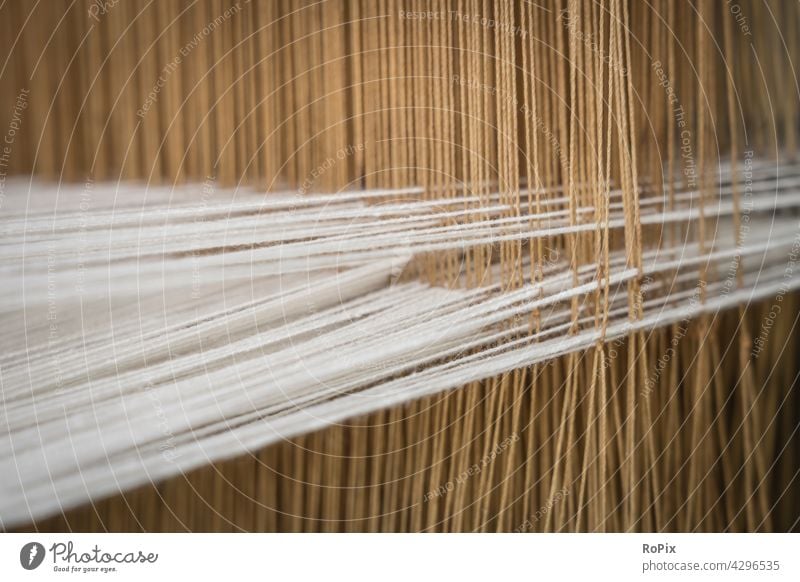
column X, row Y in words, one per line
column 147, row 334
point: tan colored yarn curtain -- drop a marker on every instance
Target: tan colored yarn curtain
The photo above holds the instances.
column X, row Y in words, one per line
column 464, row 97
column 558, row 105
column 436, row 92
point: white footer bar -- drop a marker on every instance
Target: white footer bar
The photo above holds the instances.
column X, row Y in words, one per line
column 389, row 557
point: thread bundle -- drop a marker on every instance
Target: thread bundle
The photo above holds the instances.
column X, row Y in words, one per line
column 214, row 383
